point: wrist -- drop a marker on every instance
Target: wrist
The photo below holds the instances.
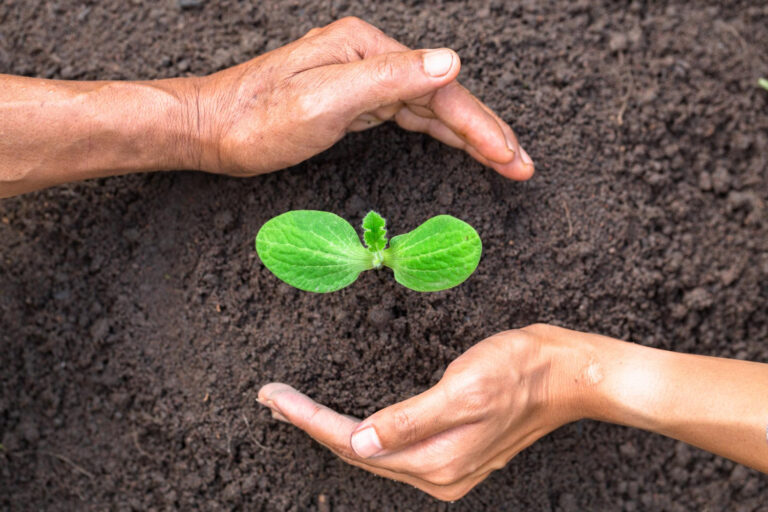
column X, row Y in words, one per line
column 138, row 126
column 617, row 381
column 596, row 377
column 194, row 128
column 169, row 125
column 570, row 372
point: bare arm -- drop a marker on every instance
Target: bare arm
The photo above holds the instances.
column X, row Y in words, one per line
column 54, row 131
column 720, row 405
column 271, row 112
column 511, row 389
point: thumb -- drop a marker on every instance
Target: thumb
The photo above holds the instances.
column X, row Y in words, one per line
column 406, row 423
column 394, row 77
column 323, row 424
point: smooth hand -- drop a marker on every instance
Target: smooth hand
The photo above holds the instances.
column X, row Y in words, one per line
column 511, row 389
column 294, row 102
column 493, row 401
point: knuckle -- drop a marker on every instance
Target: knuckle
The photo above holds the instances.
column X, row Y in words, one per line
column 451, row 493
column 13, row 174
column 312, row 106
column 537, row 329
column 313, row 32
column 385, row 71
column 352, row 23
column 499, row 463
column 445, row 476
column 309, row 417
column 472, row 392
column 404, row 426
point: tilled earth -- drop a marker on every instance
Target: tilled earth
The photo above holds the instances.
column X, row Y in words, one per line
column 137, row 324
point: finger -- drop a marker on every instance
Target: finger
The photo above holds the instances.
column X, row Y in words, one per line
column 406, row 423
column 447, row 491
column 374, row 118
column 323, row 424
column 522, row 159
column 391, row 78
column 479, row 127
column 469, row 118
column 458, row 109
column 412, row 119
column 332, row 430
column 326, row 426
column 408, row 120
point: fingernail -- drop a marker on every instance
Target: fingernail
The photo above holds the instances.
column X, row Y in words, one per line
column 366, row 443
column 276, row 414
column 526, row 158
column 438, row 62
column 510, row 144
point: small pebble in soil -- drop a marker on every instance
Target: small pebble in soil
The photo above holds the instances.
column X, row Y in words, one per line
column 444, row 194
column 248, row 485
column 618, row 42
column 628, row 450
column 705, row 181
column 100, row 329
column 231, row 491
column 568, row 502
column 28, row 430
column 323, row 503
column 721, row 180
column 224, row 220
column 683, row 453
column 355, row 206
column 131, row 234
column 379, row 316
column 698, row 299
column 738, row 475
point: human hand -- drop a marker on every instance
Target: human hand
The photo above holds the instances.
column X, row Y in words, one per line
column 493, row 401
column 289, row 104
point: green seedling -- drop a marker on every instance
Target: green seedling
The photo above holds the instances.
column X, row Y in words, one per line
column 763, row 82
column 321, row 252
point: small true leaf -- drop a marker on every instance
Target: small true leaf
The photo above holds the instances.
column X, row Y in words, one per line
column 439, row 254
column 763, row 82
column 312, row 250
column 374, row 234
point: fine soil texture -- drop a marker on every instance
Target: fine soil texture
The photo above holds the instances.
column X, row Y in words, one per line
column 137, row 323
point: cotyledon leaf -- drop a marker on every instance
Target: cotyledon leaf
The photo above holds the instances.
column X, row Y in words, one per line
column 312, row 250
column 440, row 254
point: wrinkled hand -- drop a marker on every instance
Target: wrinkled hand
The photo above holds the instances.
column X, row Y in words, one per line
column 287, row 105
column 493, row 401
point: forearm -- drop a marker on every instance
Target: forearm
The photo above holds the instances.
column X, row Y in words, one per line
column 720, row 405
column 55, row 131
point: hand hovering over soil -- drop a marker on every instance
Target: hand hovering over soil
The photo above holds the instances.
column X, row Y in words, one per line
column 509, row 390
column 271, row 112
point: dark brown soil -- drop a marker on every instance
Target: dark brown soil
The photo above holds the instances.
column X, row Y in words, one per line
column 137, row 323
